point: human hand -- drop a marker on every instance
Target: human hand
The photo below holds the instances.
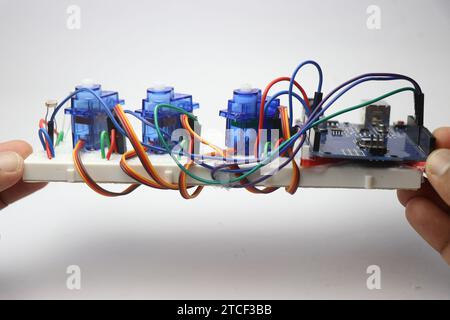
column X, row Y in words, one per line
column 12, row 188
column 428, row 209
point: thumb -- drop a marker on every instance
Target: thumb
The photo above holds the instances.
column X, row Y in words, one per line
column 438, row 172
column 11, row 169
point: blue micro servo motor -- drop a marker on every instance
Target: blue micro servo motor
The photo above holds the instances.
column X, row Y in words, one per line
column 88, row 116
column 168, row 119
column 242, row 117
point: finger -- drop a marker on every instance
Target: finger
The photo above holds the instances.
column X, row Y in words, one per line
column 438, row 172
column 442, row 136
column 12, row 188
column 18, row 191
column 11, row 169
column 18, row 146
column 426, row 191
column 432, row 223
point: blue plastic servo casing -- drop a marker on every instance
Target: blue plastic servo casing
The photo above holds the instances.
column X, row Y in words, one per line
column 168, row 119
column 242, row 116
column 89, row 118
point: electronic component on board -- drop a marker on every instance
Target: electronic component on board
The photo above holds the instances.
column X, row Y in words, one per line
column 89, row 119
column 377, row 114
column 373, row 140
column 169, row 120
column 374, row 144
column 337, row 132
column 242, row 117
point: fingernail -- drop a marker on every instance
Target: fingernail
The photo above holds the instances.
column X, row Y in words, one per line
column 438, row 163
column 10, row 161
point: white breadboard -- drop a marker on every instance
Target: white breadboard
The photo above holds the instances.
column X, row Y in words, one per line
column 344, row 175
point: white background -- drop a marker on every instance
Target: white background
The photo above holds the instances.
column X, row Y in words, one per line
column 225, row 244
